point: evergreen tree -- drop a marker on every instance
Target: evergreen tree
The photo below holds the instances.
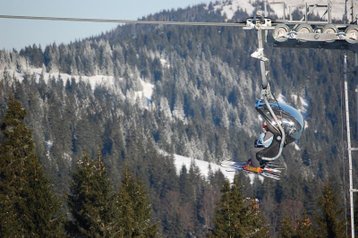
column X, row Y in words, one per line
column 28, row 207
column 92, row 201
column 134, row 209
column 331, row 219
column 287, row 230
column 305, row 228
column 302, row 229
column 237, row 217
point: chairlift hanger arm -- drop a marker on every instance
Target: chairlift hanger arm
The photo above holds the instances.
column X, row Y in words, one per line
column 266, row 92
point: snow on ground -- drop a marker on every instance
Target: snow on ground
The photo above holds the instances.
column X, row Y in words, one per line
column 229, row 7
column 48, row 145
column 147, row 91
column 94, row 81
column 164, row 63
column 205, row 166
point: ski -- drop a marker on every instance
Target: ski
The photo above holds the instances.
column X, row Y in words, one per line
column 269, row 171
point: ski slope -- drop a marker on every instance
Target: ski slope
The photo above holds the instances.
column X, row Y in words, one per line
column 205, row 167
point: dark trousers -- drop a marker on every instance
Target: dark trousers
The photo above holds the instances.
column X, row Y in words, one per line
column 258, row 152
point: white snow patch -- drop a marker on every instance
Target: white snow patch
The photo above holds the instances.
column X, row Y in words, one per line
column 205, row 166
column 164, row 63
column 147, row 89
column 228, row 8
column 145, row 95
column 180, row 161
column 231, row 167
column 48, row 145
column 106, row 81
column 95, row 80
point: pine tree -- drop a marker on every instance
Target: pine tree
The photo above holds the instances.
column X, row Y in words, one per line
column 237, row 217
column 331, row 220
column 305, row 228
column 134, row 209
column 92, row 201
column 287, row 230
column 302, row 228
column 28, row 207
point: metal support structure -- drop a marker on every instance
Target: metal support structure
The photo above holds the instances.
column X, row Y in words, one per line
column 260, row 39
column 350, row 149
column 262, row 28
column 329, row 11
column 353, row 17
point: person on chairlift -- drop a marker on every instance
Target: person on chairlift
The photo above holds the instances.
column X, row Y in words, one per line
column 266, row 145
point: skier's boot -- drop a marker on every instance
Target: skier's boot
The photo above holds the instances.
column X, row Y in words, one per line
column 250, row 168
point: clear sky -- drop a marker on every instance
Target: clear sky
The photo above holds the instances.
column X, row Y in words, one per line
column 20, row 33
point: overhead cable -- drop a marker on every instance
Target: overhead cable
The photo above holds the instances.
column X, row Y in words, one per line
column 121, row 21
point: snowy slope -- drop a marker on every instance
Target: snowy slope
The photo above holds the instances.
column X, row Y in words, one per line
column 229, row 7
column 109, row 82
column 205, row 167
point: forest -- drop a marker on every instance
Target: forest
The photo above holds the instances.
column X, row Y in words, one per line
column 167, row 205
column 85, row 161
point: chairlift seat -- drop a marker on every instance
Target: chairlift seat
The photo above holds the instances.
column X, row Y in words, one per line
column 290, row 119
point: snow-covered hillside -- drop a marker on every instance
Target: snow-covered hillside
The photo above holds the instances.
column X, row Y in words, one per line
column 205, row 167
column 143, row 94
column 229, row 7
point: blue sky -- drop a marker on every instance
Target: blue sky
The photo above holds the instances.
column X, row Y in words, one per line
column 20, row 33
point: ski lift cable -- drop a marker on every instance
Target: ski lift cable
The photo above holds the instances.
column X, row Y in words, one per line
column 123, row 21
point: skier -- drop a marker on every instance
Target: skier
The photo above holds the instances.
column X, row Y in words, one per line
column 267, row 145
